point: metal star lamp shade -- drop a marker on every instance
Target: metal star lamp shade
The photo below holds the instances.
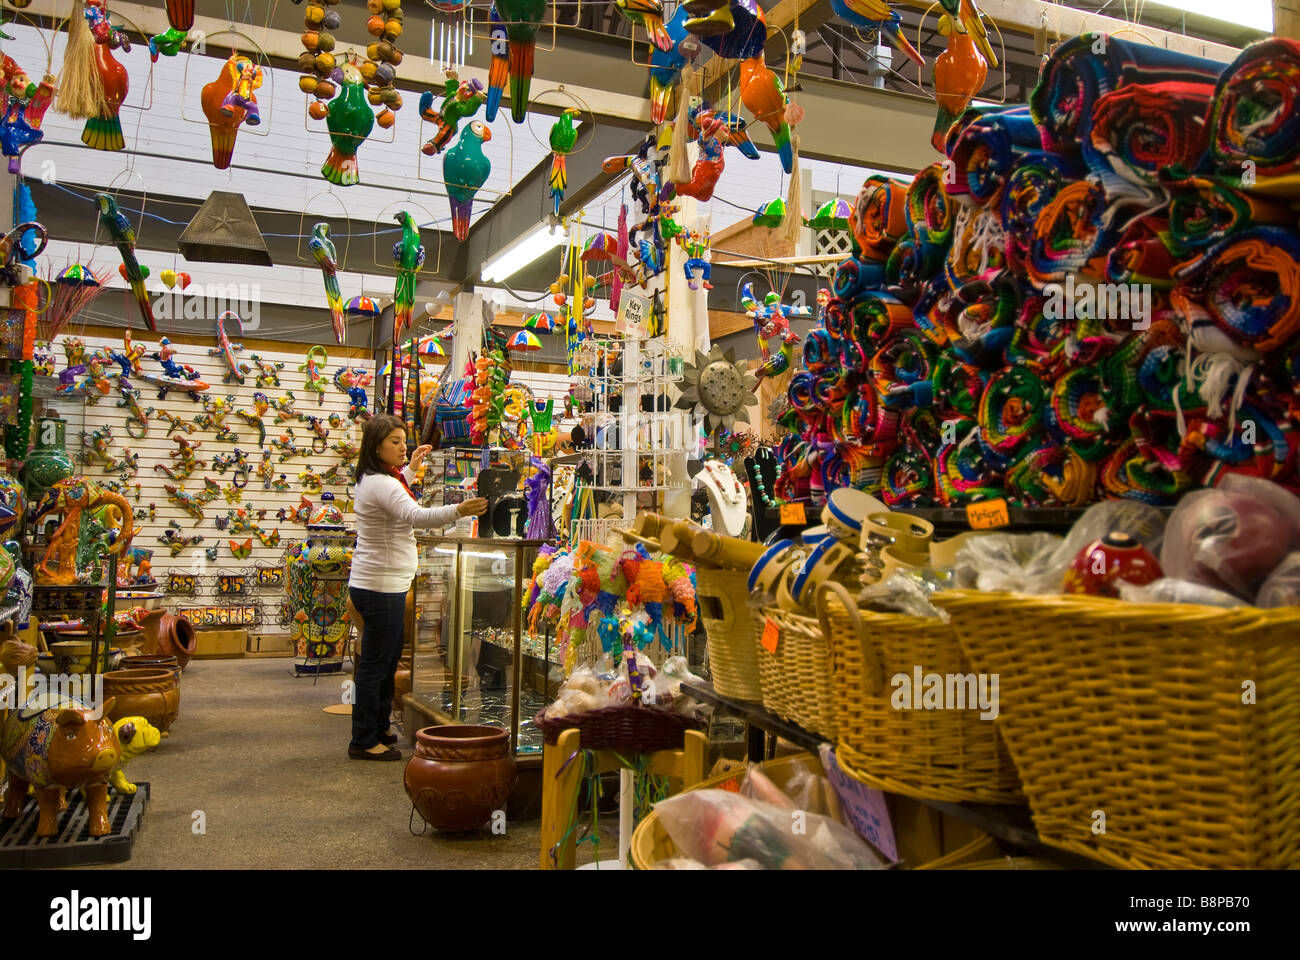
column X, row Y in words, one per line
column 719, row 388
column 224, row 231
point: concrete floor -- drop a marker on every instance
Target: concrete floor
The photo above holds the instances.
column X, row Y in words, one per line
column 254, row 751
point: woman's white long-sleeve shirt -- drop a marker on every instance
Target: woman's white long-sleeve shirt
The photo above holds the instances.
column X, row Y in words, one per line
column 385, row 559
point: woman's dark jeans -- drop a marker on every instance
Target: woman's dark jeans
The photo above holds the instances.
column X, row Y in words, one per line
column 384, row 616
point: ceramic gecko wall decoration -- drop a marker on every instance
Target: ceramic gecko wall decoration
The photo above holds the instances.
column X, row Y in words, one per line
column 261, row 404
column 268, row 372
column 313, row 368
column 320, row 441
column 174, row 424
column 213, row 417
column 235, row 371
column 184, row 457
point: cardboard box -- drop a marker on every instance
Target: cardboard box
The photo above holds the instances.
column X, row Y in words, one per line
column 269, row 645
column 221, row 644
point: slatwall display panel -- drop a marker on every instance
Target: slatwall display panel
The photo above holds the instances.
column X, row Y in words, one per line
column 155, row 448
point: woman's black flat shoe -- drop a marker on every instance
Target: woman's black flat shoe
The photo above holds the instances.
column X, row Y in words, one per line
column 356, row 753
column 388, row 739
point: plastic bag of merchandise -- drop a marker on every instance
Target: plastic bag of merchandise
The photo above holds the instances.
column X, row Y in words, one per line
column 718, row 826
column 686, row 863
column 904, row 594
column 1013, row 562
column 583, row 691
column 1141, row 521
column 803, row 790
column 1169, row 590
column 1232, row 537
column 1282, row 588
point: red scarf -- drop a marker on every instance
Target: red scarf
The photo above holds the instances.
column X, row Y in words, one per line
column 397, row 474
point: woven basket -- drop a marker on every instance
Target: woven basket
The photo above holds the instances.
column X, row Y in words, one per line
column 796, row 678
column 628, row 728
column 952, row 755
column 1136, row 711
column 723, row 598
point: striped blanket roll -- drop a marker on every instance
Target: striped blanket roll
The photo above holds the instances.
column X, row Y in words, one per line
column 1142, row 130
column 986, row 150
column 1256, row 114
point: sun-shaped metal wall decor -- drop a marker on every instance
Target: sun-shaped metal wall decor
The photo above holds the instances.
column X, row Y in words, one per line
column 719, row 388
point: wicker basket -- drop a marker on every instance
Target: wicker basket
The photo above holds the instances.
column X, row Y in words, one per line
column 796, row 678
column 952, row 755
column 628, row 728
column 723, row 598
column 1136, row 711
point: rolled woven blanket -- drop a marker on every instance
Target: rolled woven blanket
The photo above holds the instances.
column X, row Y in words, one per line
column 964, row 470
column 1205, row 210
column 1248, row 284
column 877, row 316
column 1085, row 68
column 1141, row 256
column 987, row 149
column 964, row 119
column 958, row 386
column 902, row 366
column 820, row 351
column 1029, row 478
column 1039, row 338
column 935, row 313
column 909, row 479
column 1068, row 236
column 986, row 316
column 854, row 277
column 1034, row 181
column 879, row 216
column 929, row 210
column 979, row 247
column 1012, row 411
column 1256, row 114
column 1142, row 130
column 913, row 262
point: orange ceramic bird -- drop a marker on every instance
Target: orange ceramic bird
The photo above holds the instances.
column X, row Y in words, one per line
column 222, row 107
column 959, row 73
column 763, row 95
column 104, row 132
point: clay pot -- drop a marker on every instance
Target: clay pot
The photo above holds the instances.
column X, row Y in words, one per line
column 154, row 661
column 459, row 775
column 176, row 638
column 148, row 693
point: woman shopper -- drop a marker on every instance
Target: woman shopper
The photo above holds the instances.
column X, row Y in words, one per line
column 383, row 566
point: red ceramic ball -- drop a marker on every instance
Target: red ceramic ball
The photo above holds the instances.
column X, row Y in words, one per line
column 1103, row 564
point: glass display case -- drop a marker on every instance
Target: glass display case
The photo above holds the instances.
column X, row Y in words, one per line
column 470, row 662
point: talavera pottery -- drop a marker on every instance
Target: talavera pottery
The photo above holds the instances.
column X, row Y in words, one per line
column 318, row 591
column 48, row 462
column 460, row 775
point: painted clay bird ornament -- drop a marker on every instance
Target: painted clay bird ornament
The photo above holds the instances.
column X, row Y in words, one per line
column 408, row 258
column 104, row 132
column 965, row 16
column 225, row 113
column 460, row 102
column 123, row 234
column 465, row 168
column 763, row 95
column 648, row 14
column 167, row 43
column 513, row 41
column 327, row 258
column 563, row 139
column 350, row 120
column 876, row 15
column 959, row 73
column 735, row 134
column 666, row 66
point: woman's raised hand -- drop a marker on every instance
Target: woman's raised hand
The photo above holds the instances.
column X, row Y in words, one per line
column 473, row 507
column 420, row 453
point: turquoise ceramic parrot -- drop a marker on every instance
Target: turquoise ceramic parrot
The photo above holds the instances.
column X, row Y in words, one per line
column 965, row 15
column 408, row 258
column 123, row 234
column 666, row 66
column 563, row 139
column 465, row 168
column 322, row 249
column 350, row 120
column 514, row 38
column 876, row 15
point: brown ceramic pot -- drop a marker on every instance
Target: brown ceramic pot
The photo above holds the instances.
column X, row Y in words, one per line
column 176, row 637
column 149, row 692
column 153, row 661
column 459, row 775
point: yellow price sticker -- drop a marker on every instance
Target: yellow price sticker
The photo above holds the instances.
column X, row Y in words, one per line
column 988, row 514
column 792, row 513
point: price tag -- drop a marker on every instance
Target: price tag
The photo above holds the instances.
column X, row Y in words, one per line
column 863, row 806
column 793, row 513
column 988, row 514
column 633, row 316
column 771, row 634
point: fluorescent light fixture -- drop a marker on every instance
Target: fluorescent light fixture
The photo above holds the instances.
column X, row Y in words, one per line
column 507, row 262
column 1257, row 14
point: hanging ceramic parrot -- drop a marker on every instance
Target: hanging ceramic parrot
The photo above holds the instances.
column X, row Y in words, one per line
column 322, row 249
column 763, row 95
column 514, row 38
column 965, row 15
column 465, row 168
column 563, row 139
column 104, row 132
column 123, row 234
column 223, row 110
column 350, row 120
column 408, row 258
column 666, row 66
column 876, row 15
column 648, row 14
column 959, row 74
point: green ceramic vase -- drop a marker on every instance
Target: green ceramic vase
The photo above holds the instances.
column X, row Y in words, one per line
column 48, row 462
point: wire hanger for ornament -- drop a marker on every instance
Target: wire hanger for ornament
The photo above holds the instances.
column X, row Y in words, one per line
column 587, row 123
column 484, row 20
column 385, row 227
column 198, row 40
column 303, row 232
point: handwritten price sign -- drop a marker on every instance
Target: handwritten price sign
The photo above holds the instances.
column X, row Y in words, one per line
column 793, row 513
column 988, row 514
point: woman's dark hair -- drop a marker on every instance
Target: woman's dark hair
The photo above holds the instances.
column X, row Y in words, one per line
column 378, row 429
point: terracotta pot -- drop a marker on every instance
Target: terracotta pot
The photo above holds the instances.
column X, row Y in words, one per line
column 149, row 693
column 154, row 661
column 176, row 638
column 459, row 775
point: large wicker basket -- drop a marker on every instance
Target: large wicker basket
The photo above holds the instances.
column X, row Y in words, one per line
column 796, row 677
column 946, row 754
column 630, row 728
column 1179, row 724
column 723, row 597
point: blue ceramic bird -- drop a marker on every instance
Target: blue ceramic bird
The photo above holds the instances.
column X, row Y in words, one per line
column 876, row 15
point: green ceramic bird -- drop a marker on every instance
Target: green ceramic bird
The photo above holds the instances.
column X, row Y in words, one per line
column 514, row 38
column 408, row 257
column 350, row 120
column 563, row 138
column 123, row 234
column 326, row 255
column 465, row 168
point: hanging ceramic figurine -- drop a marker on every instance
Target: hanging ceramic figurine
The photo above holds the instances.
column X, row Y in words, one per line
column 313, row 367
column 876, row 15
column 350, row 120
column 461, row 100
column 465, row 168
column 514, row 39
column 709, row 166
column 563, row 140
column 408, row 258
column 235, row 371
column 666, row 65
column 648, row 14
column 964, row 15
column 229, row 101
column 763, row 95
column 959, row 74
column 327, row 257
column 123, row 235
column 25, row 104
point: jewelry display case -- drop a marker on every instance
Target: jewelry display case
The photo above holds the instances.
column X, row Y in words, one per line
column 472, row 662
